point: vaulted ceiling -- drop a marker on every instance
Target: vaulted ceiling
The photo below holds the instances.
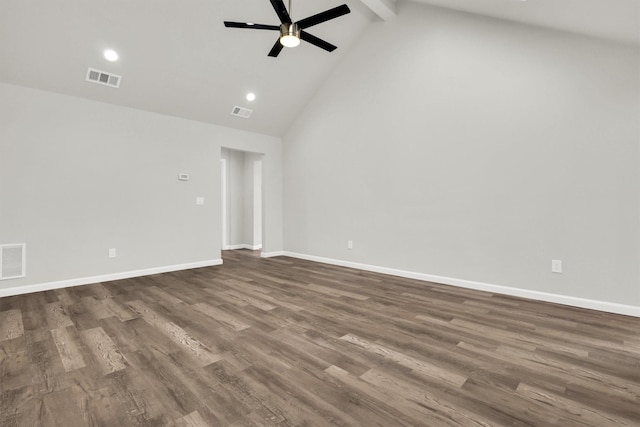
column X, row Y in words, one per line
column 177, row 58
column 617, row 20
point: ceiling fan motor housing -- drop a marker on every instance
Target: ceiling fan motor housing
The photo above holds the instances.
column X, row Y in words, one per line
column 289, row 34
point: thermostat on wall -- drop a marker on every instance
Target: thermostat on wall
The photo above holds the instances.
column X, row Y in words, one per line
column 183, row 176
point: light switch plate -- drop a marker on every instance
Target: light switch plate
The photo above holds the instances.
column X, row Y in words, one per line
column 199, row 201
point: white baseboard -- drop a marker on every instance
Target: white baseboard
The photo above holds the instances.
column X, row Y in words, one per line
column 610, row 307
column 272, row 254
column 242, row 246
column 19, row 290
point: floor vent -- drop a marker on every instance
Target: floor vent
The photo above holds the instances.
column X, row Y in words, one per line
column 102, row 78
column 12, row 261
column 241, row 112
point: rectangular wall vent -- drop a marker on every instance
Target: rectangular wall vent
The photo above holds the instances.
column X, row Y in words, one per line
column 241, row 112
column 103, row 78
column 12, row 261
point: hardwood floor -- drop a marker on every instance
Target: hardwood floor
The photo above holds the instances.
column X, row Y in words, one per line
column 285, row 342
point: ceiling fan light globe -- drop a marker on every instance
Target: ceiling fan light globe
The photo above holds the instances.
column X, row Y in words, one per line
column 289, row 41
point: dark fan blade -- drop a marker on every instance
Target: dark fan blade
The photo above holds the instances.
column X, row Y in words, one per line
column 323, row 16
column 251, row 26
column 317, row 42
column 281, row 10
column 276, row 49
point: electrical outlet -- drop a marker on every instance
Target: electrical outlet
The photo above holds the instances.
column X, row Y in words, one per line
column 556, row 266
column 112, row 252
column 349, row 244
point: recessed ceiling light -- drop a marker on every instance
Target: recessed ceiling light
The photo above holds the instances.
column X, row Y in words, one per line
column 111, row 55
column 251, row 96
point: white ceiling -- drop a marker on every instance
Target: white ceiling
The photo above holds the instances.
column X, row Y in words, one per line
column 177, row 58
column 618, row 20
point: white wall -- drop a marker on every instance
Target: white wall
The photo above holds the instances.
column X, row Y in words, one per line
column 78, row 177
column 251, row 191
column 235, row 196
column 255, row 169
column 472, row 148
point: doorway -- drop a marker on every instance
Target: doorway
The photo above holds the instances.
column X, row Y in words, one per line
column 242, row 200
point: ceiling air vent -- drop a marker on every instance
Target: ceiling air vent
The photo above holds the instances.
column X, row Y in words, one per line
column 241, row 112
column 102, row 78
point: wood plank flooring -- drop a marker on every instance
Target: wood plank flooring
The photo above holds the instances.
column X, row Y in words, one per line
column 285, row 342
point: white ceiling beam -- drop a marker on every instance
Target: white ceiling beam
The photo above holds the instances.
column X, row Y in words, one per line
column 385, row 9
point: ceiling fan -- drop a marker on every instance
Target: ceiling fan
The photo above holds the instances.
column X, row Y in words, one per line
column 292, row 32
